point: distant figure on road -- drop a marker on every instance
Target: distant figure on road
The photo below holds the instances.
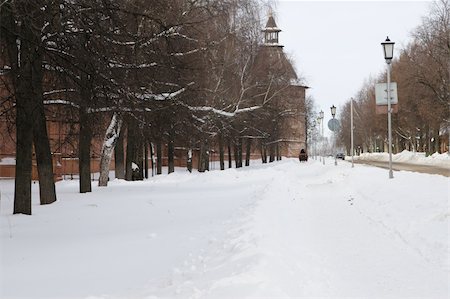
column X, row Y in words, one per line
column 303, row 157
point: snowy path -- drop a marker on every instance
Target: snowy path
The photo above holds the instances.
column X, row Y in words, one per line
column 314, row 241
column 285, row 230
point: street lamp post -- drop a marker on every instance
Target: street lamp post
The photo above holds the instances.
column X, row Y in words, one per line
column 321, row 115
column 333, row 113
column 318, row 139
column 321, row 119
column 388, row 49
column 351, row 128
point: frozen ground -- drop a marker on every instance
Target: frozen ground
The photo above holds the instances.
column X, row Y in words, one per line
column 282, row 230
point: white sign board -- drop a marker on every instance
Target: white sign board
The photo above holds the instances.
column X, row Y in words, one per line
column 381, row 93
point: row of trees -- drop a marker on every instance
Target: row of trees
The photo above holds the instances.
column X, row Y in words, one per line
column 422, row 73
column 173, row 70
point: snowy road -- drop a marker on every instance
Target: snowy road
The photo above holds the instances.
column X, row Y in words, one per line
column 284, row 230
column 430, row 169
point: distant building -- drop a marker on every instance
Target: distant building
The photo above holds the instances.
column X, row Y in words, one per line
column 271, row 62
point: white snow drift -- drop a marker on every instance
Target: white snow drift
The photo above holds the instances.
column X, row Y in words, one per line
column 282, row 230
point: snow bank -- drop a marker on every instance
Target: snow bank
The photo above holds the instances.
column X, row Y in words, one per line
column 282, row 230
column 441, row 160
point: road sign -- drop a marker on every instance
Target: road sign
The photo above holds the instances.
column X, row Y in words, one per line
column 381, row 93
column 333, row 125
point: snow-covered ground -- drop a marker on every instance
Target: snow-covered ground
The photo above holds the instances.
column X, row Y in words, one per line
column 280, row 230
column 441, row 160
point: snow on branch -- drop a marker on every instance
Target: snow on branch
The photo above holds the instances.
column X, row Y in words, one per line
column 120, row 43
column 219, row 111
column 61, row 102
column 46, row 93
column 188, row 52
column 59, row 51
column 162, row 96
column 117, row 64
column 171, row 32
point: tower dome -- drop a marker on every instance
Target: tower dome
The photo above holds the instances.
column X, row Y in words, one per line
column 271, row 32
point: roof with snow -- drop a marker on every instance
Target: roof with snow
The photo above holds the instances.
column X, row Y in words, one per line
column 271, row 25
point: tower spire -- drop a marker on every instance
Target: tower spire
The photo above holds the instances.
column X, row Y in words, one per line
column 271, row 31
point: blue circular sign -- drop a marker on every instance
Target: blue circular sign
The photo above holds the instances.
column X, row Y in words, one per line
column 333, row 125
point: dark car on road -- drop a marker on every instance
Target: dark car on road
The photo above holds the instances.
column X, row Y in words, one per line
column 340, row 156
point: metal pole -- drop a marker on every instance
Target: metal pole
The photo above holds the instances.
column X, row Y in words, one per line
column 335, row 149
column 391, row 175
column 315, row 149
column 322, row 125
column 351, row 128
column 323, row 157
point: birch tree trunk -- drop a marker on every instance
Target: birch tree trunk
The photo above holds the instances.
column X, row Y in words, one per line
column 189, row 160
column 111, row 137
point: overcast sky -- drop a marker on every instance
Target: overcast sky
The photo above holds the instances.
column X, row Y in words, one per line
column 336, row 44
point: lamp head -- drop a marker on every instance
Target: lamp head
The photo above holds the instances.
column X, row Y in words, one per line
column 333, row 111
column 388, row 49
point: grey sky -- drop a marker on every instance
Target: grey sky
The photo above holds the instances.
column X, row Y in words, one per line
column 336, row 44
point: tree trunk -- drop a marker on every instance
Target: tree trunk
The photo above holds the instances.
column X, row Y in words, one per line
column 21, row 61
column 189, row 160
column 146, row 159
column 207, row 155
column 152, row 158
column 84, row 151
column 109, row 142
column 240, row 151
column 119, row 168
column 221, row 152
column 139, row 159
column 131, row 148
column 236, row 154
column 247, row 152
column 203, row 158
column 230, row 158
column 170, row 155
column 271, row 153
column 263, row 152
column 158, row 157
column 47, row 193
column 24, row 137
column 278, row 151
